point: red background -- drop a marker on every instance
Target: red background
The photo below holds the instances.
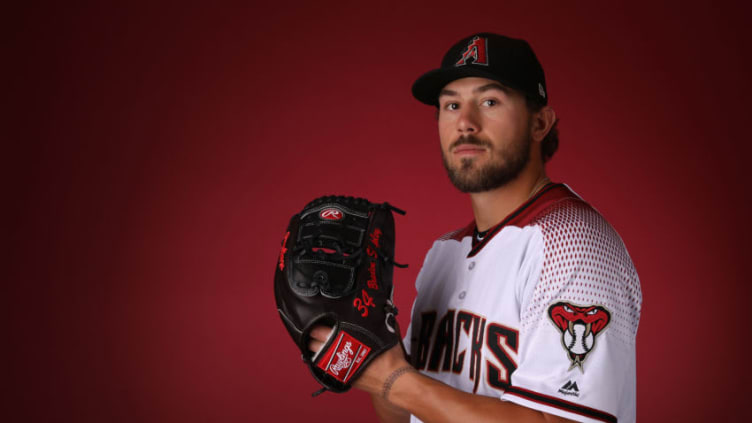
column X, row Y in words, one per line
column 157, row 152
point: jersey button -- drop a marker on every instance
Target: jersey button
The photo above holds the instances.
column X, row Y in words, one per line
column 471, row 265
column 462, row 295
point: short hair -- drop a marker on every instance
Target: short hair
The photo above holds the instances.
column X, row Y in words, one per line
column 550, row 142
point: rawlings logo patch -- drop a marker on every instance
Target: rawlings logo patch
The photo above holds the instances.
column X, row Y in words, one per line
column 344, row 357
column 579, row 326
column 476, row 50
column 331, row 213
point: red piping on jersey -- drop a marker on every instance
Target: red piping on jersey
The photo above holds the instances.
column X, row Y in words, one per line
column 525, row 213
column 460, row 233
column 523, row 219
column 561, row 404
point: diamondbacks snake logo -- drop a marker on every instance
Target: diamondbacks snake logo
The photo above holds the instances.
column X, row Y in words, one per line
column 579, row 326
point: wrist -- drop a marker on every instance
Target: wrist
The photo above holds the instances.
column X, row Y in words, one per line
column 386, row 389
column 377, row 372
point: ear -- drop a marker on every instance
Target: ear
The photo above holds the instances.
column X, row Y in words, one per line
column 542, row 122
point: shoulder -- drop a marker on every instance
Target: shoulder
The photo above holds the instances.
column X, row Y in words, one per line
column 453, row 244
column 443, row 255
column 585, row 264
column 574, row 227
column 458, row 234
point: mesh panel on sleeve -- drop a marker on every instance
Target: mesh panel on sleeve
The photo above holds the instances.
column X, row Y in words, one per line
column 585, row 263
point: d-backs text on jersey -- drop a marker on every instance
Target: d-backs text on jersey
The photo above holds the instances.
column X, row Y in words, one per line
column 446, row 352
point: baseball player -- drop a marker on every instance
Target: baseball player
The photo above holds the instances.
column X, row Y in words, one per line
column 529, row 313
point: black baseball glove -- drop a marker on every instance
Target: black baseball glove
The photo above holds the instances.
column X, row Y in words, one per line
column 335, row 269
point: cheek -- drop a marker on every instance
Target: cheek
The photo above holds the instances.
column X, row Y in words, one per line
column 509, row 125
column 446, row 135
column 522, row 122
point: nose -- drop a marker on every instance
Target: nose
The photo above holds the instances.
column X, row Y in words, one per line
column 468, row 122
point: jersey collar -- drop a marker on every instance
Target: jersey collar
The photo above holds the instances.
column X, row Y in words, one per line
column 524, row 214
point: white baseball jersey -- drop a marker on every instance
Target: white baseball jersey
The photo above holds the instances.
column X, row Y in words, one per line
column 543, row 311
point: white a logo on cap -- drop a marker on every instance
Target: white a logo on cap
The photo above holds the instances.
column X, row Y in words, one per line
column 477, row 50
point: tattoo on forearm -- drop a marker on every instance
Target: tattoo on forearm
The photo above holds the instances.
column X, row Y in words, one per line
column 393, row 378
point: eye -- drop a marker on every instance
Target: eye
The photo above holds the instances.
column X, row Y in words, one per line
column 451, row 106
column 591, row 312
column 568, row 310
column 490, row 102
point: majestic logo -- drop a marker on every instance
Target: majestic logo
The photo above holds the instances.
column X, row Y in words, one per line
column 579, row 325
column 331, row 213
column 570, row 388
column 475, row 50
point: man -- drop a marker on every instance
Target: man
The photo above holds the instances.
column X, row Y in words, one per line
column 529, row 313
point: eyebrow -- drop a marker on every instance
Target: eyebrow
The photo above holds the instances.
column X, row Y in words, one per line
column 492, row 86
column 481, row 89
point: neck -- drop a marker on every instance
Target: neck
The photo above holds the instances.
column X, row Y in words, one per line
column 491, row 207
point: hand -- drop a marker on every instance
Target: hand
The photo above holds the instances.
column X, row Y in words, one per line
column 373, row 377
column 373, row 380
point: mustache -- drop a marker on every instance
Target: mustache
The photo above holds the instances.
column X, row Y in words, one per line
column 470, row 140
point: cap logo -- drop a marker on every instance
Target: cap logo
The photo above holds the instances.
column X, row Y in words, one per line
column 475, row 50
column 331, row 213
column 541, row 91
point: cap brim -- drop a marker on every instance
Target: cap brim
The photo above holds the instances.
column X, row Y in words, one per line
column 427, row 88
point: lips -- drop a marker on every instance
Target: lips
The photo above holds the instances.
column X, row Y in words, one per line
column 469, row 149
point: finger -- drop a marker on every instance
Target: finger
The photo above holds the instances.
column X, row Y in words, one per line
column 321, row 333
column 315, row 346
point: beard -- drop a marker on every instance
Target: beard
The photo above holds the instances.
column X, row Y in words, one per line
column 503, row 166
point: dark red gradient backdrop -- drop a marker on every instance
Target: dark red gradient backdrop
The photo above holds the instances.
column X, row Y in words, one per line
column 155, row 154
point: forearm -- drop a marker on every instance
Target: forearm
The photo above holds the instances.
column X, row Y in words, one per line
column 396, row 383
column 434, row 402
column 388, row 412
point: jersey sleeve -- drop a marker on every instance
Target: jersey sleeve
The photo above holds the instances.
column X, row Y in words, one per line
column 578, row 321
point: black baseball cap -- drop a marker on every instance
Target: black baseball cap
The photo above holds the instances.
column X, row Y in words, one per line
column 508, row 60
